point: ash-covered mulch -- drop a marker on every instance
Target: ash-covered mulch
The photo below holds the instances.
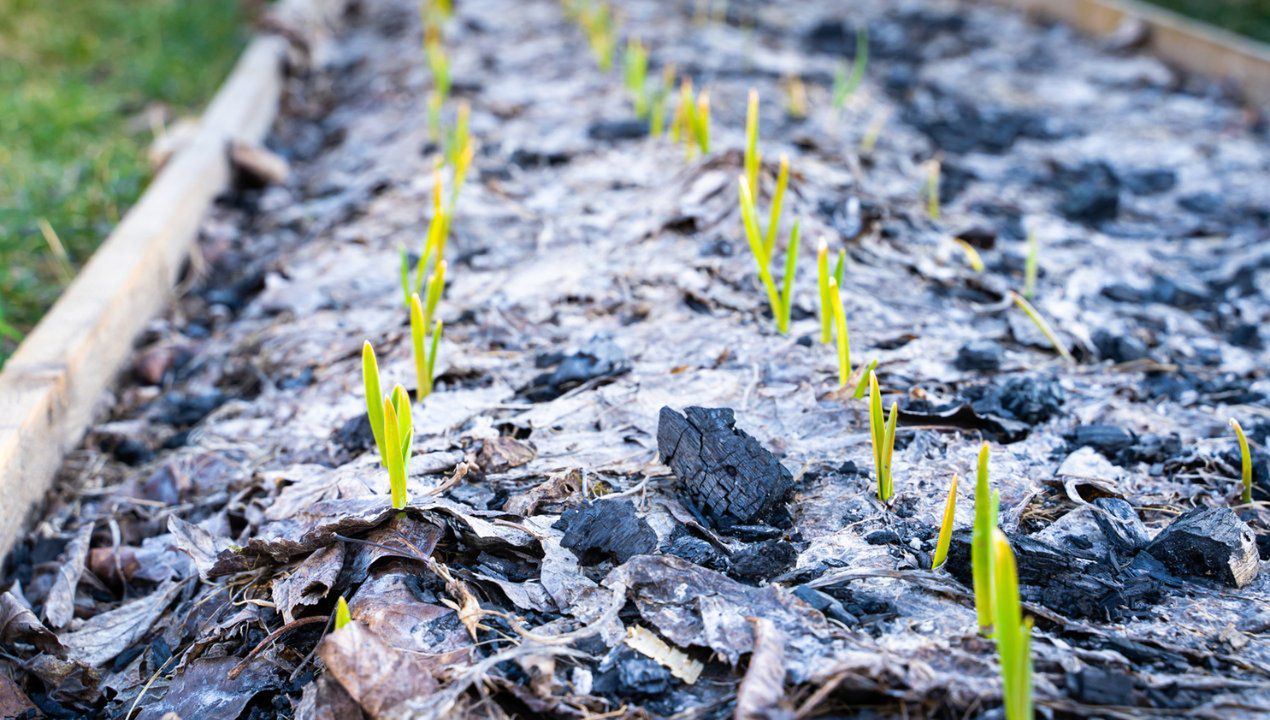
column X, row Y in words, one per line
column 549, row 563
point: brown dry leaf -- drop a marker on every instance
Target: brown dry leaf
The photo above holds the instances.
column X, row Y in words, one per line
column 761, row 695
column 104, row 636
column 59, row 608
column 309, row 583
column 19, row 625
column 390, row 608
column 500, row 454
column 468, row 607
column 13, row 702
column 325, row 699
column 375, row 674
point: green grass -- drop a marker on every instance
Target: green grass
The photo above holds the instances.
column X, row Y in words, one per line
column 1246, row 17
column 77, row 76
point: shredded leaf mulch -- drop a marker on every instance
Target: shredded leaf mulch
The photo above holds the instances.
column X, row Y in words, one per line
column 629, row 495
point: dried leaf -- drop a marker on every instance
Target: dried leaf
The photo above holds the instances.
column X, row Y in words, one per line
column 13, row 702
column 761, row 695
column 19, row 625
column 199, row 544
column 309, row 583
column 206, row 689
column 375, row 674
column 59, row 608
column 104, row 636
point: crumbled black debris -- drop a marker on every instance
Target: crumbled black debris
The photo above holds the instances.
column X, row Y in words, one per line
column 1089, row 192
column 612, row 130
column 763, row 560
column 600, row 358
column 721, row 469
column 606, row 530
column 1106, row 439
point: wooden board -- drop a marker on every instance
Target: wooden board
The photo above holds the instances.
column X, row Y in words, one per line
column 1190, row 45
column 50, row 388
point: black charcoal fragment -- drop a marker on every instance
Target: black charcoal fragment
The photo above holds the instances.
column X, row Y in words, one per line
column 599, row 358
column 606, row 530
column 612, row 130
column 1090, row 192
column 980, row 355
column 1106, row 439
column 1120, row 524
column 826, row 604
column 1208, row 543
column 1095, row 686
column 723, row 471
column 698, row 552
column 763, row 560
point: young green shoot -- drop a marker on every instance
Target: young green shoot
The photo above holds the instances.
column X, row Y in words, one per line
column 874, row 132
column 597, row 21
column 1245, row 461
column 795, row 98
column 374, row 408
column 946, row 527
column 752, row 157
column 425, row 353
column 458, row 138
column 1043, row 326
column 342, row 615
column 972, row 255
column 883, row 432
column 862, row 385
column 780, row 300
column 398, row 439
column 774, row 213
column 840, row 330
column 981, row 563
column 845, row 85
column 932, row 189
column 658, row 101
column 635, row 75
column 1013, row 633
column 822, row 283
column 691, row 124
column 1030, row 265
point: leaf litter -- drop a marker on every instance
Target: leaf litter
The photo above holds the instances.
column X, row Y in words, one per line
column 629, row 496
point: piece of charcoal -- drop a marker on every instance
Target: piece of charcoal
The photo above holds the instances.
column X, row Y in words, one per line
column 763, row 560
column 611, row 130
column 1089, row 192
column 1208, row 543
column 1120, row 524
column 606, row 530
column 599, row 358
column 1106, row 439
column 698, row 551
column 1096, row 686
column 980, row 354
column 826, row 604
column 626, row 673
column 721, row 469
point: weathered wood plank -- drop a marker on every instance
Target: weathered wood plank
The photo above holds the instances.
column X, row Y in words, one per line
column 50, row 387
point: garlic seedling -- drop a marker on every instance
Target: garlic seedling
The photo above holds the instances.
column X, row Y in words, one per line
column 946, row 526
column 981, row 561
column 1013, row 633
column 1245, row 461
column 398, row 441
column 1043, row 326
column 882, row 428
column 843, row 84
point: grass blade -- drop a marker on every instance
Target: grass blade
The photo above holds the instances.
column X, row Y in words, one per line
column 393, row 460
column 787, row 282
column 774, row 216
column 342, row 615
column 752, row 158
column 981, row 543
column 840, row 328
column 1030, row 265
column 822, row 285
column 756, row 247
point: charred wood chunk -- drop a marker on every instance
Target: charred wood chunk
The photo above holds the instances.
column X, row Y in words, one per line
column 600, row 358
column 1120, row 524
column 1208, row 543
column 1066, row 583
column 763, row 561
column 725, row 472
column 606, row 530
